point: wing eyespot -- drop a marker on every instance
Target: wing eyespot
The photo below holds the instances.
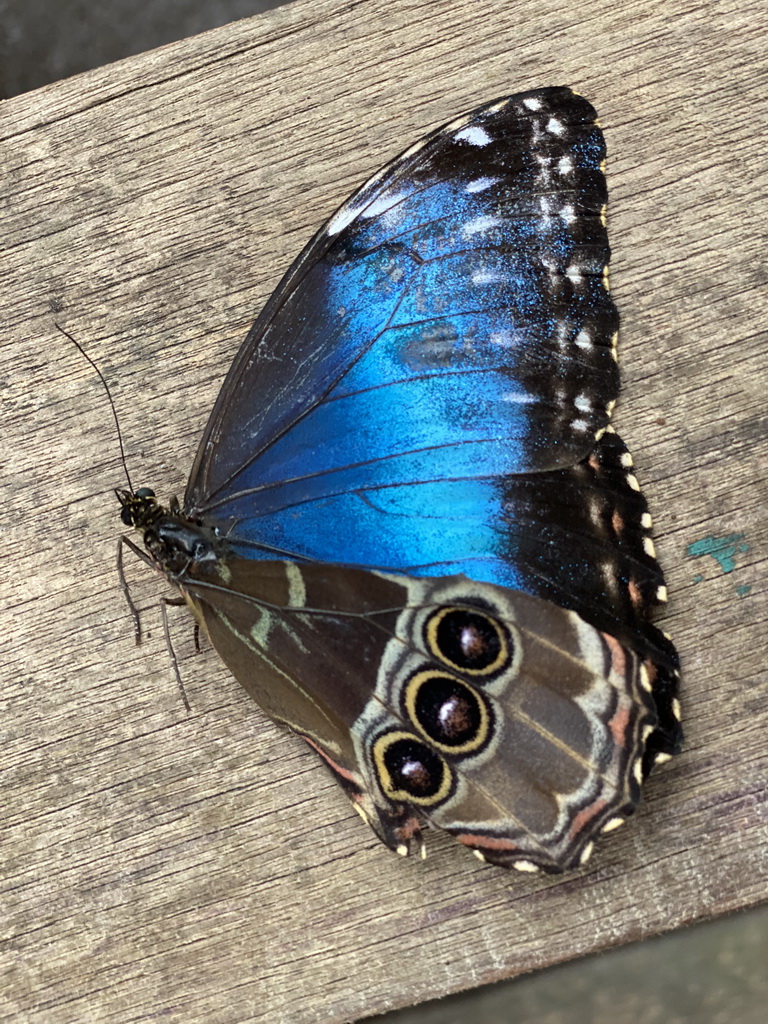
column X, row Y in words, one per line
column 469, row 641
column 451, row 715
column 409, row 771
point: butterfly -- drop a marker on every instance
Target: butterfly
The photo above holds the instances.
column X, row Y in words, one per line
column 410, row 531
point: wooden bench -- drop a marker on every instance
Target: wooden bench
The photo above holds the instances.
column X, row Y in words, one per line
column 204, row 867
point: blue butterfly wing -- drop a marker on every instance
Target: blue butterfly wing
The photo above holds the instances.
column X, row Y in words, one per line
column 448, row 320
column 428, row 390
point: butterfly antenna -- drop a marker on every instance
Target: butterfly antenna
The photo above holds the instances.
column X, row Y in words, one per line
column 103, row 380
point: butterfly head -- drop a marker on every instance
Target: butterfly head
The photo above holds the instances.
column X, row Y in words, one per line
column 139, row 508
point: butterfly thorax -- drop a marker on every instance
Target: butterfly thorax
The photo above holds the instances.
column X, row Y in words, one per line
column 174, row 541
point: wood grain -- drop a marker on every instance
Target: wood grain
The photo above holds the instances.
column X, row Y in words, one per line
column 203, row 867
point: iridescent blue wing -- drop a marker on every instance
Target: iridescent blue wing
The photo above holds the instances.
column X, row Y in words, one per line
column 428, row 390
column 451, row 320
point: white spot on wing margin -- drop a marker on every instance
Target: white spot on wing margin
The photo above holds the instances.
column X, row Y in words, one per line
column 474, row 135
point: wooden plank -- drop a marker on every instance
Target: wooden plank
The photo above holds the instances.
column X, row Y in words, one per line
column 203, row 867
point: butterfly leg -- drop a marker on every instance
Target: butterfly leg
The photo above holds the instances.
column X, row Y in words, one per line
column 164, row 603
column 121, row 543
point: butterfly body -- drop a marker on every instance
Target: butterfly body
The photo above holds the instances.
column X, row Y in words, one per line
column 410, row 531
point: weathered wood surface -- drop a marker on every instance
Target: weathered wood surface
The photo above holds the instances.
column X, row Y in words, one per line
column 204, row 867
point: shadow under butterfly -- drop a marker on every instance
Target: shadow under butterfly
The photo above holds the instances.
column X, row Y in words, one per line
column 410, row 531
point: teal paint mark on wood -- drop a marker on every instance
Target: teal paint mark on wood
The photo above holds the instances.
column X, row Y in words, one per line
column 722, row 549
column 744, row 589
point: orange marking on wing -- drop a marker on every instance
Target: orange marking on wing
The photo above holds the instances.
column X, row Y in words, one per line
column 588, row 814
column 618, row 654
column 409, row 829
column 619, row 726
column 617, row 522
column 635, row 594
column 489, row 842
column 344, row 772
column 594, row 462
